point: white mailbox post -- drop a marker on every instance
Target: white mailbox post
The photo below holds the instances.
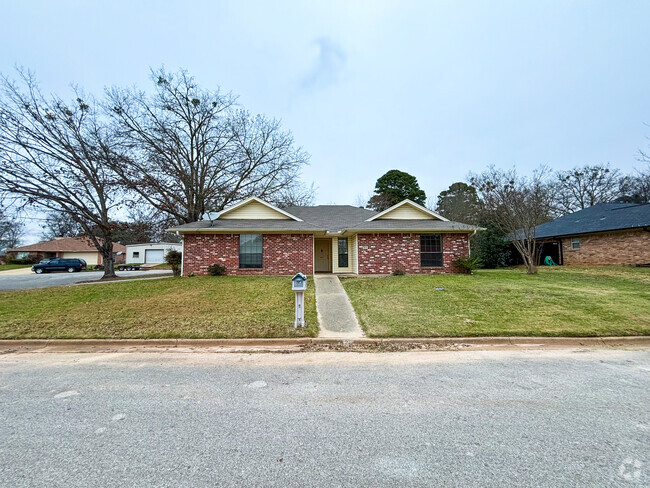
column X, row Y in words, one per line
column 299, row 285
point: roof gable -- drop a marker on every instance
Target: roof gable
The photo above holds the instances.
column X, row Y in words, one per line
column 407, row 210
column 255, row 208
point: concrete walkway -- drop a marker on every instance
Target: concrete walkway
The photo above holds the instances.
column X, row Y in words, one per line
column 17, row 271
column 335, row 313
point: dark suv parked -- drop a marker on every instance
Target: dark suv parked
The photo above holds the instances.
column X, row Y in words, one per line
column 59, row 264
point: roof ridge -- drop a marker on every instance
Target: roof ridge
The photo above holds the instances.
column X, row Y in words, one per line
column 631, row 205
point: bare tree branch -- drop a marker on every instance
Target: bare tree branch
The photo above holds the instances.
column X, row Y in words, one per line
column 56, row 156
column 192, row 152
column 516, row 206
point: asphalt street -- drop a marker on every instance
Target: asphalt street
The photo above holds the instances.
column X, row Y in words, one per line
column 509, row 418
column 25, row 279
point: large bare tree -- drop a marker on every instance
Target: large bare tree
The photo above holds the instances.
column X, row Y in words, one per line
column 56, row 157
column 582, row 187
column 192, row 152
column 516, row 205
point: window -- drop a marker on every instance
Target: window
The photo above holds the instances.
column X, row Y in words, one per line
column 575, row 243
column 250, row 250
column 136, row 254
column 430, row 250
column 343, row 252
column 22, row 255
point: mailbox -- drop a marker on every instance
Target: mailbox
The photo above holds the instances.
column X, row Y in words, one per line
column 299, row 285
column 299, row 282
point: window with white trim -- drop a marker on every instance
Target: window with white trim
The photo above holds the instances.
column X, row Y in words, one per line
column 343, row 252
column 250, row 250
column 431, row 250
column 575, row 243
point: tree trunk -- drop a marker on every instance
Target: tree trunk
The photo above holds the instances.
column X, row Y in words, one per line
column 109, row 262
column 531, row 268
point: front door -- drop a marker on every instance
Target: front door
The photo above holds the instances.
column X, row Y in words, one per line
column 322, row 253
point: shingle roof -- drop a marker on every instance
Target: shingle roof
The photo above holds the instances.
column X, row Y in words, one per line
column 245, row 224
column 331, row 218
column 155, row 244
column 599, row 218
column 66, row 244
column 424, row 224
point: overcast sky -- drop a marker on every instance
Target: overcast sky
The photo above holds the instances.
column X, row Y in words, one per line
column 437, row 89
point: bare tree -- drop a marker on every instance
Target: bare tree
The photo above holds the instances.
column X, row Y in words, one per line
column 55, row 157
column 193, row 153
column 642, row 184
column 579, row 188
column 361, row 199
column 146, row 224
column 639, row 184
column 516, row 206
column 300, row 196
column 60, row 224
column 11, row 230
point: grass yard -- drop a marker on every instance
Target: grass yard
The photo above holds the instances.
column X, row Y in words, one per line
column 199, row 307
column 562, row 301
column 6, row 267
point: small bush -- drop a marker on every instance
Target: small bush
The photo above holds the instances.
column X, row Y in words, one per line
column 20, row 261
column 217, row 270
column 466, row 265
column 398, row 272
column 174, row 259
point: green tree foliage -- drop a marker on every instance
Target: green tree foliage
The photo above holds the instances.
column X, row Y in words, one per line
column 393, row 187
column 459, row 203
column 174, row 259
column 491, row 248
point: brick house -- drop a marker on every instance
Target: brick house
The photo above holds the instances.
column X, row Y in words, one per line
column 607, row 233
column 255, row 237
column 66, row 247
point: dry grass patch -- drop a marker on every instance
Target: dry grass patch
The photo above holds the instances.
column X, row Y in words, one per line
column 200, row 307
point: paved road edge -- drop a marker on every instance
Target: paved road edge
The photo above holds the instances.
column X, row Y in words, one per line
column 298, row 344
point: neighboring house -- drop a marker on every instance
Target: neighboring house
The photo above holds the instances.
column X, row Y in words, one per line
column 65, row 247
column 254, row 237
column 150, row 252
column 607, row 233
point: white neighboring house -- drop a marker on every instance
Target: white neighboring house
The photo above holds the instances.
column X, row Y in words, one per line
column 150, row 252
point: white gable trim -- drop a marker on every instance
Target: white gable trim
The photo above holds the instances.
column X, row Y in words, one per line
column 411, row 203
column 260, row 201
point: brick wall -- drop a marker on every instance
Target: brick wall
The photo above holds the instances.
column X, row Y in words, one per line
column 383, row 253
column 282, row 254
column 626, row 247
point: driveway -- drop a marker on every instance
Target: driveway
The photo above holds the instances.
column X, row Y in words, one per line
column 24, row 278
column 488, row 419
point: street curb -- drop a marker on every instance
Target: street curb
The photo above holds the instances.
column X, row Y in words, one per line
column 96, row 345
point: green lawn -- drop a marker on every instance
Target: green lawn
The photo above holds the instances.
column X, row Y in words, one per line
column 5, row 267
column 563, row 301
column 199, row 307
